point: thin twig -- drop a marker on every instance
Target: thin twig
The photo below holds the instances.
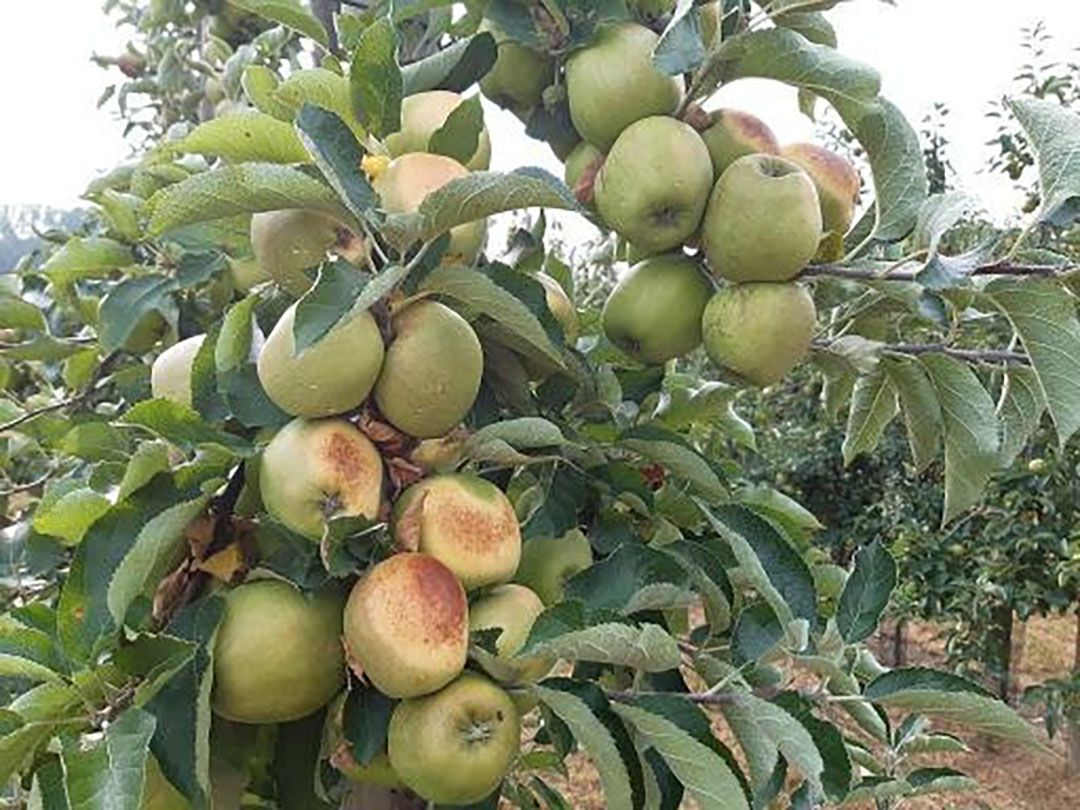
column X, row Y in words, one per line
column 967, row 355
column 1002, row 268
column 700, row 698
column 89, row 391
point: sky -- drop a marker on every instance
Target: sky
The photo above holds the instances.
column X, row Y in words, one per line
column 961, row 52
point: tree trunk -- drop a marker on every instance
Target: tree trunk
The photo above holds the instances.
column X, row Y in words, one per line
column 369, row 797
column 900, row 644
column 1016, row 660
column 1001, row 637
column 1073, row 762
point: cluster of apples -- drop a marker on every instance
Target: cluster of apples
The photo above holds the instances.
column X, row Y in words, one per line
column 714, row 192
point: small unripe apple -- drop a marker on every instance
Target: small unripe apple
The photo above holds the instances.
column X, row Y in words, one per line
column 513, row 610
column 735, row 134
column 547, row 562
column 455, row 747
column 312, row 471
column 654, row 312
column 1038, row 466
column 149, row 329
column 759, row 331
column 763, row 222
column 654, row 185
column 517, row 79
column 288, row 243
column 561, row 306
column 709, row 19
column 334, row 375
column 170, row 376
column 422, row 115
column 836, row 180
column 432, row 371
column 247, row 273
column 158, row 792
column 407, row 180
column 277, row 655
column 407, row 626
column 466, row 523
column 611, row 83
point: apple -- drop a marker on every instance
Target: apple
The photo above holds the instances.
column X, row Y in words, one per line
column 654, row 185
column 561, row 307
column 432, row 371
column 170, row 375
column 277, row 654
column 466, row 523
column 407, row 626
column 441, row 455
column 332, row 376
column 247, row 273
column 654, row 312
column 517, row 79
column 378, row 772
column 513, row 610
column 829, row 583
column 148, row 330
column 759, row 331
column 709, row 19
column 547, row 562
column 158, row 793
column 735, row 134
column 580, row 170
column 455, row 746
column 611, row 83
column 404, row 183
column 312, row 471
column 288, row 243
column 422, row 115
column 837, row 183
column 651, row 9
column 763, row 222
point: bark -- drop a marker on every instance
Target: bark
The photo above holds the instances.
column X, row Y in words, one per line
column 1002, row 637
column 1073, row 762
column 900, row 644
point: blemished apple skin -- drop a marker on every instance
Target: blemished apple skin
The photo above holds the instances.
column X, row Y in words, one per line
column 759, row 331
column 763, row 221
column 735, row 134
column 170, row 375
column 836, row 180
column 611, row 83
column 314, row 470
column 422, row 115
column 332, row 376
column 547, row 562
column 287, row 243
column 513, row 609
column 277, row 655
column 455, row 746
column 432, row 371
column 654, row 312
column 407, row 625
column 655, row 183
column 466, row 523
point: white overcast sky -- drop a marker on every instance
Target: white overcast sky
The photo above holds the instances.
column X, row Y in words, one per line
column 961, row 52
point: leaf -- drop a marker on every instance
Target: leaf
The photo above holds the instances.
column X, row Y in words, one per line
column 322, row 88
column 456, row 67
column 920, row 679
column 919, row 405
column 324, row 306
column 635, row 577
column 459, row 135
column 971, row 434
column 1044, row 316
column 246, row 136
column 109, row 775
column 237, row 376
column 524, row 433
column 27, row 652
column 375, row 78
column 938, row 780
column 366, row 722
column 181, row 426
column 1020, row 409
column 86, row 257
column 674, row 453
column 70, row 512
column 837, row 775
column 260, row 85
column 597, row 742
column 866, row 593
column 938, row 215
column 128, row 302
column 31, row 719
column 757, row 631
column 332, row 144
column 873, row 407
column 18, row 314
column 680, row 49
column 705, row 774
column 1053, row 133
column 247, row 188
column 289, row 13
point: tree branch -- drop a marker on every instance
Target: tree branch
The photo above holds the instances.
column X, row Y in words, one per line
column 967, row 355
column 699, row 698
column 91, row 389
column 1001, row 268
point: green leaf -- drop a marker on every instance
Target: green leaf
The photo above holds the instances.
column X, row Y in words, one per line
column 324, row 306
column 813, row 25
column 635, row 577
column 261, row 85
column 705, row 774
column 246, row 136
column 337, row 154
column 680, row 49
column 873, row 407
column 86, row 257
column 128, row 302
column 323, row 88
column 757, row 632
column 938, row 780
column 920, row 679
column 151, row 661
column 289, row 13
column 1054, row 134
column 28, row 652
column 709, row 577
column 149, row 459
column 366, row 721
column 18, row 314
column 866, row 593
column 181, row 426
column 674, row 453
column 1044, row 316
column 938, row 215
column 524, row 433
column 837, row 776
column 68, row 510
column 597, row 742
column 456, row 67
column 31, row 719
column 109, row 774
column 919, row 405
column 122, row 212
column 237, row 376
column 459, row 135
column 1020, row 409
column 247, row 188
column 376, row 80
column 94, row 441
column 971, row 432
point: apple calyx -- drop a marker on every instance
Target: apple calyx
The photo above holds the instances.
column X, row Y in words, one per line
column 478, row 731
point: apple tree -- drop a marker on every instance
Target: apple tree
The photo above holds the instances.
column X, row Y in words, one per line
column 312, row 500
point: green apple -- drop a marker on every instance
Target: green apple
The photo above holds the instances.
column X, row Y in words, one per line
column 513, row 610
column 837, row 183
column 759, row 331
column 735, row 134
column 611, row 83
column 422, row 115
column 170, row 376
column 149, row 329
column 561, row 307
column 432, row 371
column 288, row 243
column 547, row 562
column 407, row 626
column 455, row 746
column 582, row 164
column 654, row 185
column 654, row 312
column 277, row 655
column 466, row 523
column 312, row 471
column 651, row 9
column 158, row 792
column 709, row 20
column 829, row 583
column 763, row 222
column 517, row 79
column 407, row 180
column 332, row 376
column 247, row 273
